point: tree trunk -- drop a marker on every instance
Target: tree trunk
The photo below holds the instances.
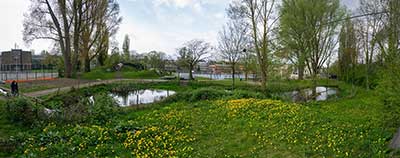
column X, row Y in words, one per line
column 257, row 47
column 77, row 12
column 301, row 72
column 190, row 72
column 67, row 40
column 87, row 64
column 85, row 50
column 233, row 76
column 263, row 77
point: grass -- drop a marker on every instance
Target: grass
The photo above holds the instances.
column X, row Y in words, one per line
column 102, row 74
column 222, row 127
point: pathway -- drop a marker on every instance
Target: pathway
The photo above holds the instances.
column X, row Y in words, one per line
column 55, row 90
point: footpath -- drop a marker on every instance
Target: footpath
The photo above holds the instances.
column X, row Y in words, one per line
column 63, row 89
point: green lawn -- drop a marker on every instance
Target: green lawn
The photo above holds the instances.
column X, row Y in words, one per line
column 127, row 74
column 347, row 127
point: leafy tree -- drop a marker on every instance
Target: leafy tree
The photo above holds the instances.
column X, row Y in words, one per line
column 314, row 31
column 347, row 51
column 292, row 34
column 125, row 48
column 156, row 60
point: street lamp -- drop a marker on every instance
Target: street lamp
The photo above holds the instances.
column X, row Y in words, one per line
column 16, row 64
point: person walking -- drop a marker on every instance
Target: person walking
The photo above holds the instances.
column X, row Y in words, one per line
column 14, row 88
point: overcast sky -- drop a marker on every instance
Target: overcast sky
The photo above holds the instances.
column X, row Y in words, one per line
column 161, row 25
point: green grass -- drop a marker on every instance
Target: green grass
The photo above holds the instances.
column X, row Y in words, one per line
column 128, row 74
column 345, row 127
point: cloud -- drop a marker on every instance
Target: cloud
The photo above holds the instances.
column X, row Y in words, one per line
column 11, row 15
column 176, row 3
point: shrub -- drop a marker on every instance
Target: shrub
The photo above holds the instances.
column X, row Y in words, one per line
column 76, row 111
column 240, row 94
column 207, row 94
column 22, row 110
column 103, row 109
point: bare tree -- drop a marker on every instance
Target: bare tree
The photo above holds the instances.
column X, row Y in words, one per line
column 49, row 20
column 369, row 34
column 233, row 41
column 192, row 53
column 76, row 26
column 260, row 15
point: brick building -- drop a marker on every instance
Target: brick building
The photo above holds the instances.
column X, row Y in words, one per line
column 16, row 60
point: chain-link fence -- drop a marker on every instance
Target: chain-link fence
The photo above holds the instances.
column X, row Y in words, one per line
column 28, row 75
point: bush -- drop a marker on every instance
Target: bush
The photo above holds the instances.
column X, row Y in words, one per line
column 75, row 112
column 207, row 94
column 103, row 109
column 22, row 110
column 240, row 94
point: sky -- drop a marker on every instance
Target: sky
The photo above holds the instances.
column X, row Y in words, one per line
column 161, row 25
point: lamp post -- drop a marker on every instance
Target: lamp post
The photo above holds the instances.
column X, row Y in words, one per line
column 16, row 64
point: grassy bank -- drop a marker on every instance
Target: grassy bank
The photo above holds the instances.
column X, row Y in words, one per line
column 212, row 122
column 103, row 74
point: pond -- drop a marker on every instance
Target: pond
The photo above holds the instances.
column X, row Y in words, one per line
column 139, row 97
column 310, row 94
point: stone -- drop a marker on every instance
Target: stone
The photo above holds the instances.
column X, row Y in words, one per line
column 395, row 143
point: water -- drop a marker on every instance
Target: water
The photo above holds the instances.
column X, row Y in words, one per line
column 305, row 95
column 141, row 97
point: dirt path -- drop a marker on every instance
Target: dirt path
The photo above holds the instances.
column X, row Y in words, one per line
column 55, row 90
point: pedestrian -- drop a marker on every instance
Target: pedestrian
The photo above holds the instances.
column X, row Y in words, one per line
column 14, row 88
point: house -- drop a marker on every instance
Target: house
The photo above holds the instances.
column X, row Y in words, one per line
column 220, row 69
column 16, row 60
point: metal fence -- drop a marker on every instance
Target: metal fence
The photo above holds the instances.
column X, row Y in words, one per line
column 28, row 75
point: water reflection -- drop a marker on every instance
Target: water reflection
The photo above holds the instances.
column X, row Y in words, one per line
column 311, row 94
column 141, row 97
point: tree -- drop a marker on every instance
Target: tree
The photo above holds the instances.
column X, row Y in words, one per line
column 249, row 62
column 369, row 35
column 50, row 20
column 192, row 53
column 125, row 48
column 100, row 21
column 390, row 41
column 75, row 25
column 292, row 34
column 156, row 60
column 318, row 26
column 259, row 14
column 347, row 51
column 232, row 44
column 308, row 30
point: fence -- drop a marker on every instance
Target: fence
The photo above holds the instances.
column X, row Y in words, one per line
column 28, row 75
column 217, row 76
